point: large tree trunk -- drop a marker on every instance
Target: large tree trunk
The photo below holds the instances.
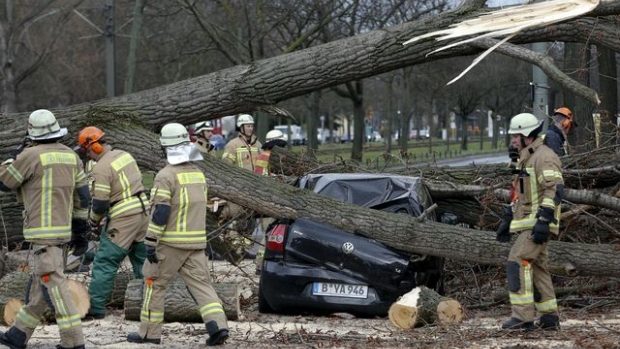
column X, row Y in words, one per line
column 179, row 304
column 244, row 87
column 274, row 199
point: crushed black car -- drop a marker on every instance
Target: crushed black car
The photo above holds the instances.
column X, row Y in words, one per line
column 311, row 267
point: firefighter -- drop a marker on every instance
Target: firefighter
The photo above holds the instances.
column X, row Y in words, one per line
column 563, row 122
column 243, row 150
column 176, row 241
column 203, row 133
column 118, row 214
column 45, row 175
column 274, row 138
column 534, row 217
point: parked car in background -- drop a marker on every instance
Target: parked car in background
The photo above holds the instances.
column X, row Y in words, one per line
column 315, row 267
column 374, row 136
column 297, row 136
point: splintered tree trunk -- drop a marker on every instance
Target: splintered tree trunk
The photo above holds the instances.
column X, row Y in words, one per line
column 179, row 303
column 423, row 306
column 13, row 288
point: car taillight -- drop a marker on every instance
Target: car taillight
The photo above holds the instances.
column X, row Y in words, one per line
column 275, row 238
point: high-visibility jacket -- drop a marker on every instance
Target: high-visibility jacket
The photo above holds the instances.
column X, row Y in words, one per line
column 118, row 180
column 262, row 163
column 182, row 187
column 241, row 153
column 539, row 183
column 45, row 177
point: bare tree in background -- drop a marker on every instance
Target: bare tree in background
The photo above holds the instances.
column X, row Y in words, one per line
column 29, row 31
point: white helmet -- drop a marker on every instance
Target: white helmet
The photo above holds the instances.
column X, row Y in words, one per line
column 244, row 119
column 173, row 134
column 523, row 124
column 274, row 134
column 204, row 126
column 42, row 124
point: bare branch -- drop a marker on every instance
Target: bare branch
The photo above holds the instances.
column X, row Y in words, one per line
column 545, row 63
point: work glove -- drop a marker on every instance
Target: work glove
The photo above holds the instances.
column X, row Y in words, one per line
column 513, row 154
column 540, row 233
column 78, row 243
column 503, row 231
column 94, row 232
column 151, row 254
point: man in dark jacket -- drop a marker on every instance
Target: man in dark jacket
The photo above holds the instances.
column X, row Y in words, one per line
column 563, row 122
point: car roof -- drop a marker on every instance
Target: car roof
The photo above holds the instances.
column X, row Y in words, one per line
column 368, row 189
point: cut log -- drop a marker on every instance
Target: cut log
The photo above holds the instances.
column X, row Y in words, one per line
column 423, row 306
column 13, row 286
column 8, row 309
column 179, row 304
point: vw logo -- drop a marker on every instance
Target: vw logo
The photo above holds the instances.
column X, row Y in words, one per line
column 348, row 248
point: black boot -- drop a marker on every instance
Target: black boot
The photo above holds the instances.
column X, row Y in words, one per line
column 13, row 338
column 549, row 322
column 217, row 336
column 134, row 337
column 77, row 347
column 515, row 324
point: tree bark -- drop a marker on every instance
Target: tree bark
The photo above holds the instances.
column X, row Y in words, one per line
column 274, row 199
column 179, row 304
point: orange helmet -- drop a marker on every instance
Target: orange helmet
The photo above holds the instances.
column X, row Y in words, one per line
column 89, row 136
column 568, row 122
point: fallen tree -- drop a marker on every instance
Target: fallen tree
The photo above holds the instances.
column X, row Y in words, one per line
column 271, row 198
column 264, row 83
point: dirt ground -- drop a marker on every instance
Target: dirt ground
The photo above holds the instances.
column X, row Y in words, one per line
column 587, row 327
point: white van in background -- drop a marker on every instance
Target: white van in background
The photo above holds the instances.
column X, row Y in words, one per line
column 297, row 136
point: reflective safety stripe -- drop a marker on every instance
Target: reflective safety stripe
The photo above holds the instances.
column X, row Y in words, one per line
column 550, row 175
column 547, row 306
column 159, row 192
column 147, row 315
column 229, row 156
column 154, row 317
column 127, row 205
column 103, row 188
column 183, row 208
column 191, row 178
column 27, row 319
column 211, row 308
column 185, row 236
column 122, row 178
column 67, row 322
column 57, row 158
column 241, row 151
column 122, row 161
column 528, row 221
column 80, row 176
column 46, row 197
column 158, row 230
column 15, row 173
column 61, row 232
column 527, row 297
column 59, row 305
column 548, row 202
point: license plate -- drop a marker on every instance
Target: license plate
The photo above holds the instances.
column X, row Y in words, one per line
column 339, row 290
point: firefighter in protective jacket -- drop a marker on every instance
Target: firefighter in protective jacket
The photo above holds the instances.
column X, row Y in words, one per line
column 45, row 176
column 119, row 196
column 176, row 241
column 534, row 217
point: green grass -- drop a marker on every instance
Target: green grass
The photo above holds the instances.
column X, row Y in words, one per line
column 418, row 151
